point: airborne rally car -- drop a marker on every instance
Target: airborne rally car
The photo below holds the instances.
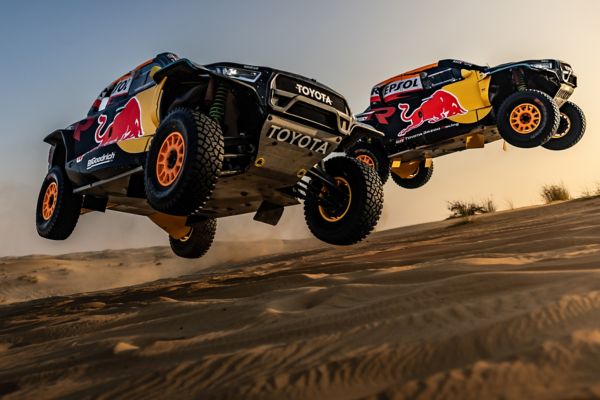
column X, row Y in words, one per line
column 184, row 144
column 453, row 105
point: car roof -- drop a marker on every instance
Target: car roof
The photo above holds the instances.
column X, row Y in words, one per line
column 445, row 63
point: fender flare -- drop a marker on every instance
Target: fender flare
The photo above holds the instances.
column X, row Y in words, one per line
column 60, row 139
column 359, row 131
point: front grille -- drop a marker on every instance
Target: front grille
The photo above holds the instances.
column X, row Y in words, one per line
column 568, row 75
column 315, row 114
column 311, row 91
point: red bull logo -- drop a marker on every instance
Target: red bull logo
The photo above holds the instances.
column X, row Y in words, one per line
column 440, row 105
column 127, row 124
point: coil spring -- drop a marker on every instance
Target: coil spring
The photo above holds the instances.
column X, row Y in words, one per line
column 217, row 110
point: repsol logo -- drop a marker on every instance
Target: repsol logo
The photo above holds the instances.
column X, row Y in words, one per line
column 402, row 86
column 298, row 139
column 103, row 159
column 314, row 94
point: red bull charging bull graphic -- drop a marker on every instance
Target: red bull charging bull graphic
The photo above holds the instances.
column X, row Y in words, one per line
column 127, row 124
column 439, row 106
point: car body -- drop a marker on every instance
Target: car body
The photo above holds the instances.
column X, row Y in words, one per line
column 453, row 105
column 277, row 128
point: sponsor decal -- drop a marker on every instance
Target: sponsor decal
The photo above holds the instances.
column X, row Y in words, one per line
column 79, row 159
column 313, row 94
column 122, row 87
column 127, row 124
column 375, row 98
column 298, row 139
column 382, row 115
column 427, row 132
column 439, row 106
column 100, row 160
column 398, row 88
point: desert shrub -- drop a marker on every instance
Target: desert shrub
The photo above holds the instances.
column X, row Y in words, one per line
column 591, row 192
column 460, row 208
column 556, row 192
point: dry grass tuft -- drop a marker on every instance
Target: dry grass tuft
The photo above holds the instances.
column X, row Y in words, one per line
column 465, row 209
column 556, row 192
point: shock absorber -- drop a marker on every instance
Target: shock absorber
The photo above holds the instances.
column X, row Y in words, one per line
column 217, row 109
column 519, row 79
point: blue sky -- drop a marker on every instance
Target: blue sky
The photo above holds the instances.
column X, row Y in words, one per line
column 58, row 55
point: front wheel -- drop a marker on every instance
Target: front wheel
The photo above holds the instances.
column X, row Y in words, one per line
column 528, row 118
column 184, row 162
column 374, row 156
column 198, row 240
column 58, row 209
column 346, row 213
column 570, row 130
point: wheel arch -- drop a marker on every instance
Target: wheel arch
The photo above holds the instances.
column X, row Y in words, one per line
column 62, row 149
column 361, row 132
column 191, row 85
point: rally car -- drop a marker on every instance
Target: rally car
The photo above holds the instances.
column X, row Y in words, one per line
column 184, row 144
column 453, row 105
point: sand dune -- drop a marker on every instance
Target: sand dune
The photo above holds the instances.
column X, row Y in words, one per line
column 500, row 306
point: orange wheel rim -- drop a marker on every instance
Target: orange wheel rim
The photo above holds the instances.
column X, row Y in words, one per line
column 49, row 203
column 334, row 218
column 170, row 159
column 525, row 118
column 366, row 159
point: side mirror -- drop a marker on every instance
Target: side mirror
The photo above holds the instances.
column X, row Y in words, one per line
column 154, row 70
column 465, row 73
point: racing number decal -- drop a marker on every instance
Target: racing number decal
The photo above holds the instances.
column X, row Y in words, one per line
column 122, row 87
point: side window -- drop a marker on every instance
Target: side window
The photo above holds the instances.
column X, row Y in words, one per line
column 443, row 77
column 141, row 78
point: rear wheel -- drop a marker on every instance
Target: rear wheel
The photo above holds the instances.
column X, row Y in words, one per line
column 58, row 209
column 528, row 118
column 347, row 213
column 184, row 162
column 197, row 242
column 416, row 178
column 570, row 129
column 373, row 156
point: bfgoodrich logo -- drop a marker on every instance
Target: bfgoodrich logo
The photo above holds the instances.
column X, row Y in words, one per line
column 103, row 159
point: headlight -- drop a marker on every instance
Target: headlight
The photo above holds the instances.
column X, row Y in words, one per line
column 242, row 74
column 542, row 65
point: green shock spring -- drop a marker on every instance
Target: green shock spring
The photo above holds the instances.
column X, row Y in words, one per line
column 217, row 110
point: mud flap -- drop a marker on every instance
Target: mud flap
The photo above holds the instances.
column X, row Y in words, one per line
column 268, row 213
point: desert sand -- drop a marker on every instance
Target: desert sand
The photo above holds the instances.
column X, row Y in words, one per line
column 505, row 305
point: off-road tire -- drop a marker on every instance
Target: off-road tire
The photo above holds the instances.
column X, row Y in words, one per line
column 67, row 207
column 365, row 207
column 573, row 119
column 197, row 242
column 203, row 159
column 377, row 154
column 549, row 119
column 421, row 177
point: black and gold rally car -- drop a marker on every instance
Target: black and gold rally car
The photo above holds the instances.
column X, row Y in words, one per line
column 184, row 144
column 453, row 105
